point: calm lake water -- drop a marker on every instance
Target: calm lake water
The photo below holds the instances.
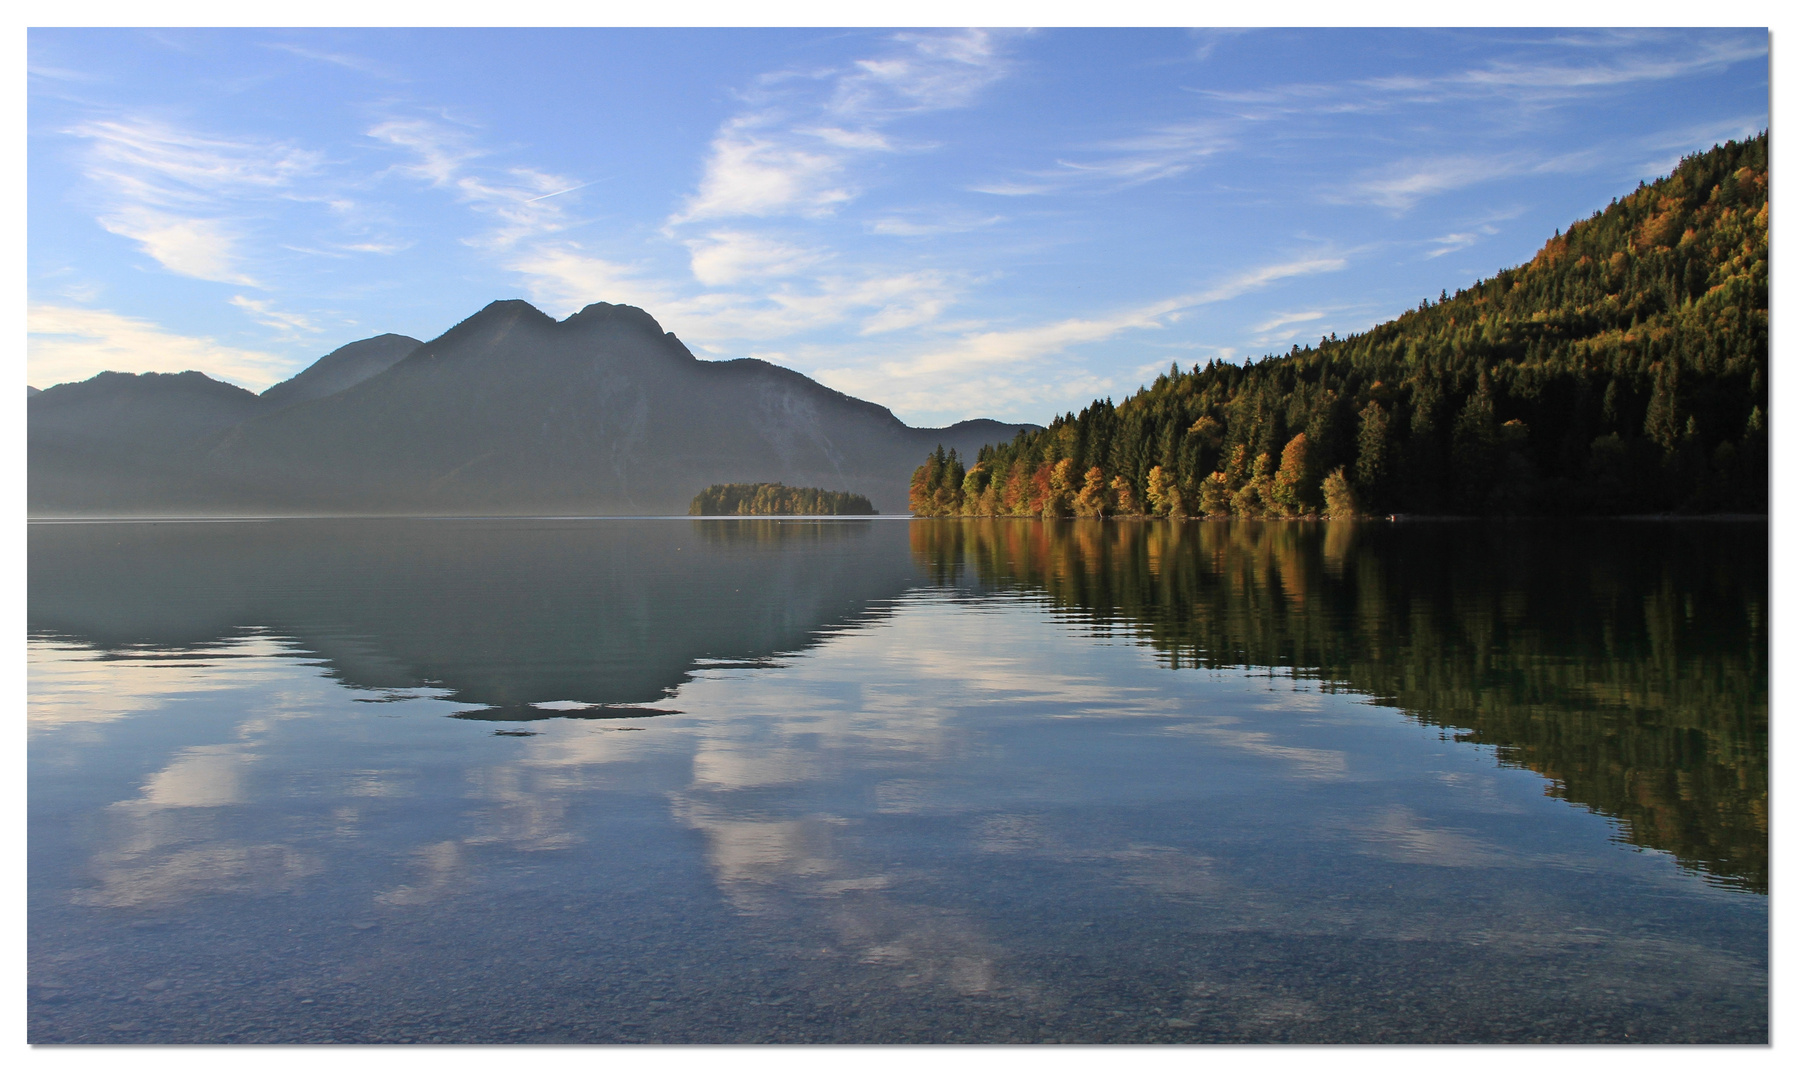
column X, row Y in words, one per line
column 894, row 781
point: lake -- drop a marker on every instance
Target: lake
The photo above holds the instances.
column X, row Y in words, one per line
column 736, row 781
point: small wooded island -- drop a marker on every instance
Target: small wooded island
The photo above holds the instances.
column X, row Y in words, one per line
column 764, row 499
column 1620, row 371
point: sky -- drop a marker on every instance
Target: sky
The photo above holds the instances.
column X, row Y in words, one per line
column 952, row 223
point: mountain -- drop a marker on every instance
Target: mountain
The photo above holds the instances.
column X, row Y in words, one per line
column 1620, row 371
column 116, row 441
column 342, row 369
column 120, row 443
column 508, row 412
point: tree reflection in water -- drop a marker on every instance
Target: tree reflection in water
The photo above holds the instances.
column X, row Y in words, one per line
column 1624, row 661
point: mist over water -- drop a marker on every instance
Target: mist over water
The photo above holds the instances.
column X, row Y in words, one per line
column 734, row 781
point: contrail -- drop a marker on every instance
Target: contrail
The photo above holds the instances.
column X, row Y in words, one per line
column 566, row 191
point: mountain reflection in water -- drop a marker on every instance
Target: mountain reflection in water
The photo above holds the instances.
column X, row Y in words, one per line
column 1626, row 662
column 500, row 613
column 895, row 781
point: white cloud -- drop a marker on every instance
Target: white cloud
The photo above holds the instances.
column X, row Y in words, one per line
column 791, row 154
column 1403, row 184
column 1158, row 154
column 440, row 153
column 1292, row 318
column 514, row 199
column 849, row 140
column 1452, row 242
column 726, row 256
column 997, row 347
column 1262, row 276
column 1011, row 188
column 67, row 344
column 1548, row 80
column 289, row 325
column 933, row 71
column 158, row 164
column 565, row 278
column 179, row 193
column 753, row 175
column 344, row 60
column 1564, row 79
column 980, row 362
column 935, row 226
column 192, row 247
column 759, row 175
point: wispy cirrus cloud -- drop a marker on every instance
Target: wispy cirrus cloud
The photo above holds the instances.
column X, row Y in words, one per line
column 946, row 368
column 921, row 224
column 1637, row 59
column 516, row 200
column 65, row 343
column 991, row 350
column 1289, row 318
column 1113, row 165
column 790, row 154
column 1459, row 241
column 1566, row 67
column 1400, row 185
column 182, row 195
column 288, row 325
column 350, row 61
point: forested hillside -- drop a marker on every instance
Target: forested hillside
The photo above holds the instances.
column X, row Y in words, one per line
column 1622, row 370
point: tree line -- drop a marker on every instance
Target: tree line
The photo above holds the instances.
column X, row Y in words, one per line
column 1621, row 370
column 732, row 499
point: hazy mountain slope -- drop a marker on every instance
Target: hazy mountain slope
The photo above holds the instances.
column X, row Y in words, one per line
column 341, row 369
column 118, row 440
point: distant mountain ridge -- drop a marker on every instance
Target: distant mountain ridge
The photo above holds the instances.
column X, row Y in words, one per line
column 508, row 412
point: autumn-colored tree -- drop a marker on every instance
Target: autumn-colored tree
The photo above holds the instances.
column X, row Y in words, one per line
column 1061, row 488
column 1214, row 497
column 1294, row 486
column 1126, row 501
column 1339, row 495
column 1091, row 500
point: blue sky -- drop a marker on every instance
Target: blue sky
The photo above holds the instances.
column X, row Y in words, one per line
column 950, row 223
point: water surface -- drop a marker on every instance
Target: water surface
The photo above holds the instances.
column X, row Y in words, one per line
column 880, row 781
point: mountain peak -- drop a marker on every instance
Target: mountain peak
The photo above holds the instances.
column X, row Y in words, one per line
column 341, row 369
column 514, row 307
column 601, row 311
